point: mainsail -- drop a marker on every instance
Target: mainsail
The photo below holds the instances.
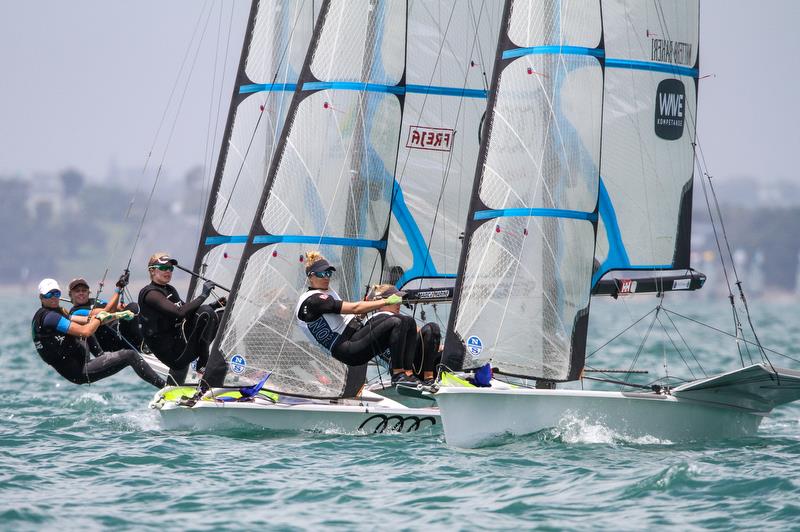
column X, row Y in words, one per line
column 356, row 134
column 276, row 40
column 573, row 80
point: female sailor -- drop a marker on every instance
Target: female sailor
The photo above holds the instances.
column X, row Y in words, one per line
column 60, row 340
column 176, row 332
column 333, row 324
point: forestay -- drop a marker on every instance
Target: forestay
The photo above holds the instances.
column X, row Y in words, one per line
column 522, row 296
column 276, row 40
column 326, row 190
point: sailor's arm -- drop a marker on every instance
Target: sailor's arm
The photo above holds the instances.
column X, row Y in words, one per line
column 362, row 307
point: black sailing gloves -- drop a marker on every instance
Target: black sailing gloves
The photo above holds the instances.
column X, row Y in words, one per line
column 208, row 286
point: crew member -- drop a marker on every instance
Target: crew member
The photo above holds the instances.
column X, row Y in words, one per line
column 428, row 351
column 333, row 324
column 176, row 332
column 113, row 336
column 60, row 340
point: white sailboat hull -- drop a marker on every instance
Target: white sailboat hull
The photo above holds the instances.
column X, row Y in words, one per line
column 476, row 416
column 373, row 414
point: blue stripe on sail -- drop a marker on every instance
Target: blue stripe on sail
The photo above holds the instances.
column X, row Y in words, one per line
column 267, row 87
column 320, row 240
column 543, row 50
column 422, row 263
column 653, row 67
column 395, row 89
column 297, row 239
column 553, row 213
column 352, row 86
column 446, row 91
column 223, row 239
column 630, row 64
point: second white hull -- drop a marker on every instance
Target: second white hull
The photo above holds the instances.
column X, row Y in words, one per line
column 476, row 416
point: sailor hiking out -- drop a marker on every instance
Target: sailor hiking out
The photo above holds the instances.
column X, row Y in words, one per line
column 333, row 324
column 176, row 332
column 60, row 339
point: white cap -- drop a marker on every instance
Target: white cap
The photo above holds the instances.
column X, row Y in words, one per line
column 48, row 284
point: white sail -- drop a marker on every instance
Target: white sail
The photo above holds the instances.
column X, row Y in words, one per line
column 277, row 38
column 523, row 296
column 325, row 191
column 451, row 47
column 649, row 114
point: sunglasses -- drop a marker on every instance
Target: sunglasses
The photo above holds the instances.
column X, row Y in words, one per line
column 51, row 294
column 163, row 267
column 322, row 275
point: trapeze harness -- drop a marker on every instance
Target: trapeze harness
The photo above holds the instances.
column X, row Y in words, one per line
column 327, row 329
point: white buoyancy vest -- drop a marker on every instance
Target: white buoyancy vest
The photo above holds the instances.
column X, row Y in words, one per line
column 326, row 329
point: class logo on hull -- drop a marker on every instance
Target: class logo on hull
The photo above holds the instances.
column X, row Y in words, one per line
column 380, row 423
column 430, row 138
column 670, row 109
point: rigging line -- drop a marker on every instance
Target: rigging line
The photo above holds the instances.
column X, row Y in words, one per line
column 132, row 201
column 207, row 149
column 726, row 333
column 208, row 182
column 736, row 322
column 644, row 341
column 261, row 115
column 629, row 327
column 680, row 354
column 169, row 140
column 686, row 344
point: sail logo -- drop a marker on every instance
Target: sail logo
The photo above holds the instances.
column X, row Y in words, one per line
column 474, row 346
column 238, row 363
column 667, row 51
column 430, row 138
column 670, row 109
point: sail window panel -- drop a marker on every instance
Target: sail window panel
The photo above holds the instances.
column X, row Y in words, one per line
column 653, row 31
column 555, row 22
column 452, row 43
column 525, row 283
column 280, row 39
column 646, row 176
column 362, row 41
column 248, row 154
column 262, row 327
column 544, row 142
column 331, row 179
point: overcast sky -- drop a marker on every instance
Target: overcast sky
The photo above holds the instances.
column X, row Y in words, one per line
column 85, row 82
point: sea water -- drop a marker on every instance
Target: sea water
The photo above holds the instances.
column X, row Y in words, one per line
column 95, row 457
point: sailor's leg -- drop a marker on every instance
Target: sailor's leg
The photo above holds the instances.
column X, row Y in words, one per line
column 427, row 353
column 177, row 375
column 203, row 328
column 108, row 364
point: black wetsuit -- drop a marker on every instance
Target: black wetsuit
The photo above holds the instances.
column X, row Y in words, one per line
column 426, row 355
column 116, row 335
column 175, row 331
column 359, row 344
column 69, row 355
